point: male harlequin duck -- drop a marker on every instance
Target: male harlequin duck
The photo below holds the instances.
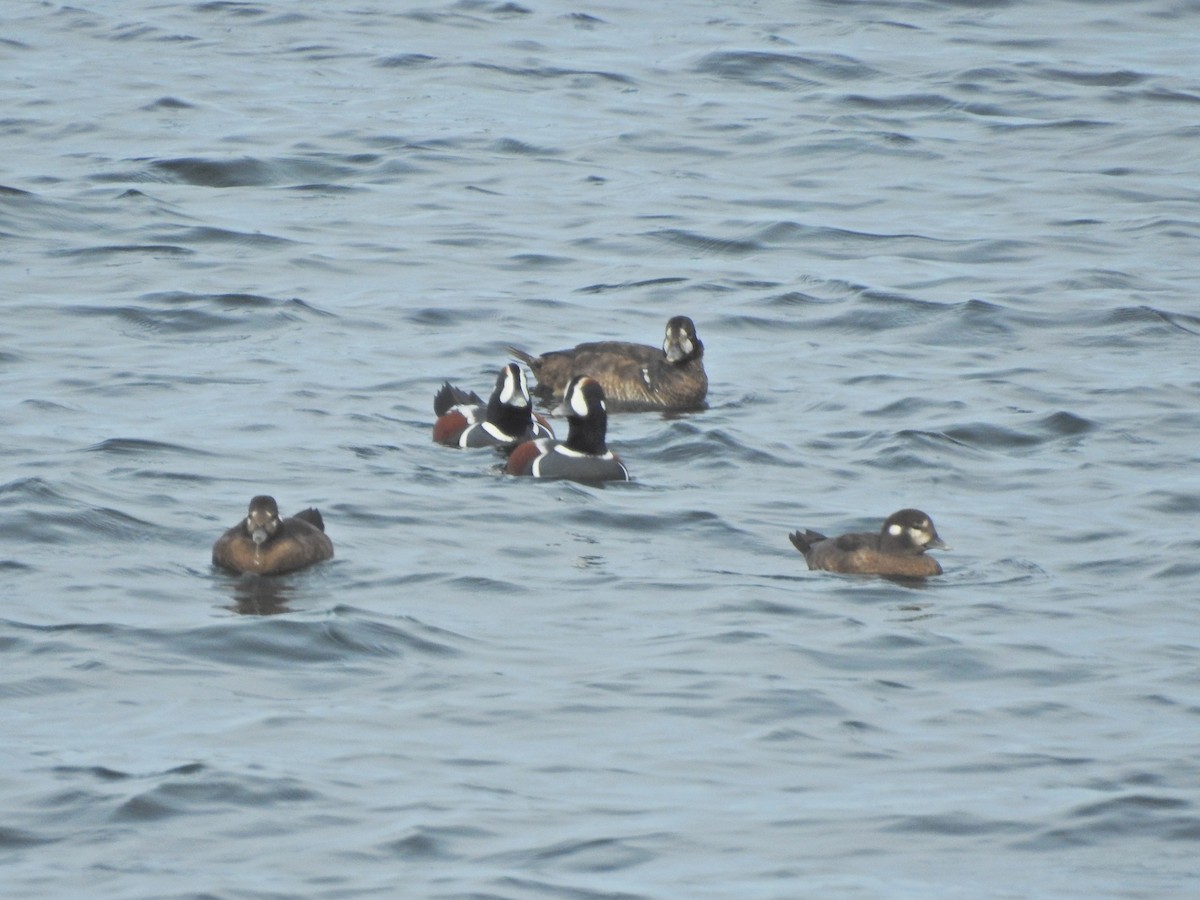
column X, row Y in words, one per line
column 897, row 550
column 505, row 421
column 264, row 544
column 583, row 456
column 635, row 377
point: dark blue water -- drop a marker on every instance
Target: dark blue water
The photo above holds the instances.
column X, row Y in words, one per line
column 941, row 255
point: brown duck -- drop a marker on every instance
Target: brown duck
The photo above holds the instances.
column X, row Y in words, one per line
column 634, row 377
column 264, row 544
column 898, row 550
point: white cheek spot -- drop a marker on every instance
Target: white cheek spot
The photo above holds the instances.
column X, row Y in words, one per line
column 895, row 530
column 686, row 346
column 918, row 536
column 509, row 390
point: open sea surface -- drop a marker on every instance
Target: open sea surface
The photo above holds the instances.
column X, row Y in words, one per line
column 941, row 254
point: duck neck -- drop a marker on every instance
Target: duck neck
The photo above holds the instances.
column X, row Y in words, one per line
column 511, row 420
column 587, row 435
column 900, row 544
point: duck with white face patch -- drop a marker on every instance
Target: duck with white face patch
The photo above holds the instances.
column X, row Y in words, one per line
column 264, row 544
column 584, row 455
column 463, row 420
column 635, row 377
column 896, row 550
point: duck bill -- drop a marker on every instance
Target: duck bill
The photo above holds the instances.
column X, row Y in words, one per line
column 677, row 351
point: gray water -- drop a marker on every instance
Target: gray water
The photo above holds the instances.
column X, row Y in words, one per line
column 941, row 255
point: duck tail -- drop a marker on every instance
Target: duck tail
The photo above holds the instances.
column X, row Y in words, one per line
column 312, row 516
column 804, row 541
column 528, row 358
column 449, row 397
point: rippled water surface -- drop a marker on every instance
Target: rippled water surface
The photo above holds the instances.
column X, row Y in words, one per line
column 941, row 255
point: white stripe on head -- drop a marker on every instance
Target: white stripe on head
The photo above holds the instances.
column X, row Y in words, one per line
column 577, row 402
column 514, row 392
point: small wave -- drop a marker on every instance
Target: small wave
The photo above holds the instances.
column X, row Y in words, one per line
column 782, row 71
column 1051, row 125
column 182, row 314
column 105, row 250
column 343, row 637
column 16, row 838
column 630, row 285
column 1165, row 95
column 523, row 261
column 208, row 235
column 878, row 312
column 433, row 842
column 231, row 301
column 1058, row 426
column 167, row 103
column 36, row 687
column 141, row 447
column 68, row 523
column 25, row 489
column 956, row 825
column 340, row 636
column 514, row 147
column 228, row 173
column 704, row 244
column 405, row 61
column 581, row 76
column 903, row 102
column 1189, row 324
column 202, row 790
column 589, row 855
column 1117, row 819
column 105, row 774
column 1109, row 78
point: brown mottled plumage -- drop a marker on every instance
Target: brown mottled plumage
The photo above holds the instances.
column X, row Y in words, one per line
column 897, row 550
column 635, row 377
column 264, row 544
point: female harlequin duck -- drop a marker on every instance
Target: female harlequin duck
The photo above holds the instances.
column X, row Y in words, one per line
column 508, row 418
column 264, row 544
column 583, row 456
column 897, row 550
column 635, row 377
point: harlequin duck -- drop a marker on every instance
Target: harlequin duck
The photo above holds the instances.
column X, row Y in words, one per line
column 897, row 550
column 463, row 420
column 264, row 544
column 583, row 456
column 635, row 377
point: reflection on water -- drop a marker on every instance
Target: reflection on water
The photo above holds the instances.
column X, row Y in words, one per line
column 260, row 595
